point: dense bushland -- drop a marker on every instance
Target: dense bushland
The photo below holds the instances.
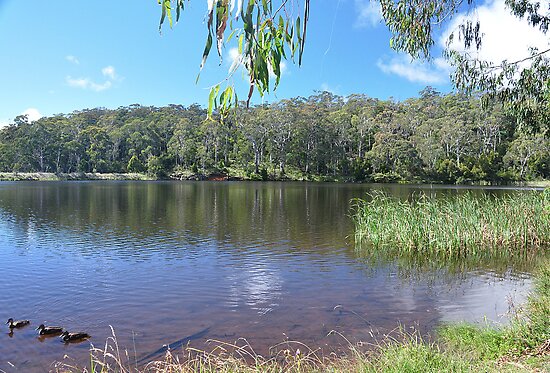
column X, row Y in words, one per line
column 439, row 138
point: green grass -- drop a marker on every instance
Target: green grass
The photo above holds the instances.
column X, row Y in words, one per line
column 514, row 225
column 411, row 355
column 525, row 340
column 522, row 346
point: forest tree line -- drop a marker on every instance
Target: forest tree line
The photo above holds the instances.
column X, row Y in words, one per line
column 432, row 138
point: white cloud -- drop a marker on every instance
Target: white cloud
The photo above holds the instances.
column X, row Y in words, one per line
column 369, row 13
column 78, row 82
column 325, row 88
column 109, row 72
column 235, row 58
column 87, row 83
column 210, row 4
column 32, row 114
column 505, row 37
column 283, row 68
column 72, row 59
column 416, row 71
column 441, row 64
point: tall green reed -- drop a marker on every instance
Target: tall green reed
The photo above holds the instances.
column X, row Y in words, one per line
column 465, row 225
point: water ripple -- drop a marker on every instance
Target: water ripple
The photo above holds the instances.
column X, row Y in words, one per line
column 160, row 261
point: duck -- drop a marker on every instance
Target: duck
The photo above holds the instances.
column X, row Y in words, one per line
column 18, row 323
column 74, row 337
column 48, row 330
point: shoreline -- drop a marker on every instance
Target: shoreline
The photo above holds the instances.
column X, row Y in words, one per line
column 96, row 176
column 73, row 176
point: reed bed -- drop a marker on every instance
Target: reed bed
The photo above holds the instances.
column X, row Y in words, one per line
column 224, row 357
column 461, row 226
column 398, row 350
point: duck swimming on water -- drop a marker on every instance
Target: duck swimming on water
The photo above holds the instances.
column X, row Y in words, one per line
column 49, row 330
column 17, row 324
column 74, row 337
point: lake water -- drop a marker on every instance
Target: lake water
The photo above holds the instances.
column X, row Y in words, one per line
column 162, row 261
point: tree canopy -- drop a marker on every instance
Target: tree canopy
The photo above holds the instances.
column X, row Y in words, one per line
column 267, row 31
column 435, row 138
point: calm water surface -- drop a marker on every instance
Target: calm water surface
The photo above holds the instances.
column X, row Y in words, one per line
column 161, row 261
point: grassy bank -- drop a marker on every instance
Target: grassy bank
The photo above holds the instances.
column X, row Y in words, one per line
column 49, row 176
column 523, row 346
column 229, row 173
column 455, row 227
column 535, row 183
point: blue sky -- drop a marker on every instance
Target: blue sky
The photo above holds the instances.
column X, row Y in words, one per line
column 60, row 56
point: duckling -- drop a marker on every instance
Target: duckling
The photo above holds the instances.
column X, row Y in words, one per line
column 74, row 337
column 17, row 324
column 49, row 330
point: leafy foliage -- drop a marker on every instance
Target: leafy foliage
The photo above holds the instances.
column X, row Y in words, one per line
column 265, row 35
column 523, row 85
column 410, row 22
column 268, row 31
